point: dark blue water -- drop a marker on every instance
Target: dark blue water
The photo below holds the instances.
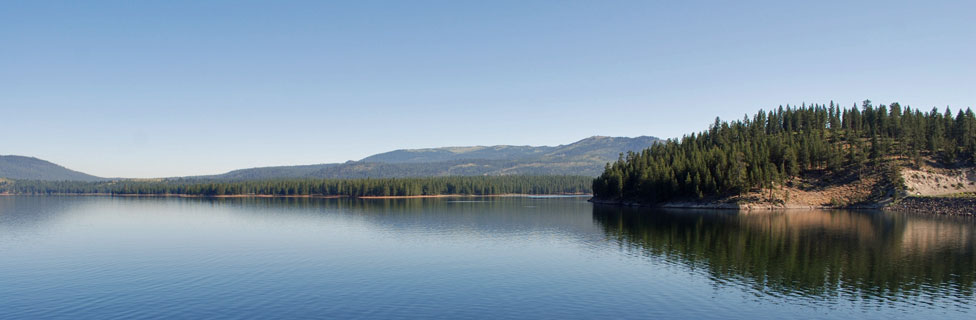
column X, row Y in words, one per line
column 135, row 258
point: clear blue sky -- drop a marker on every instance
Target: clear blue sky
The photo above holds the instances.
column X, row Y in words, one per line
column 170, row 88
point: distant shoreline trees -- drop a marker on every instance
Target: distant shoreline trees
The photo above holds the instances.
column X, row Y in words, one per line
column 457, row 185
column 775, row 146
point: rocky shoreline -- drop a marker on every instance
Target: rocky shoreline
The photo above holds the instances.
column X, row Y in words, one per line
column 933, row 205
column 938, row 205
column 717, row 205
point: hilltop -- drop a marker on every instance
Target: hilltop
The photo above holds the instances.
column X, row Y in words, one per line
column 814, row 156
column 30, row 168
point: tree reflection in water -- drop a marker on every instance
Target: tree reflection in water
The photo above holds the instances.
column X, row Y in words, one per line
column 843, row 254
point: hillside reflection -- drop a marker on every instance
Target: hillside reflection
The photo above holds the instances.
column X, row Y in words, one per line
column 812, row 253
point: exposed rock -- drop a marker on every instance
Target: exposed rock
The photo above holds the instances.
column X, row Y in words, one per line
column 939, row 205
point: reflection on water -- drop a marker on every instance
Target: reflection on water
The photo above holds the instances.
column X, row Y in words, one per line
column 561, row 258
column 845, row 254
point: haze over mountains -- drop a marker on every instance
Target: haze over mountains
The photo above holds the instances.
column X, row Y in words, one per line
column 586, row 157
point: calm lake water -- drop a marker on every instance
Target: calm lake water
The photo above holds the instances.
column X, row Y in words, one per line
column 105, row 258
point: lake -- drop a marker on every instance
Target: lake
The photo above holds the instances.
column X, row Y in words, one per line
column 494, row 258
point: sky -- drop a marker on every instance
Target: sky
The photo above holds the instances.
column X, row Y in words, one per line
column 176, row 88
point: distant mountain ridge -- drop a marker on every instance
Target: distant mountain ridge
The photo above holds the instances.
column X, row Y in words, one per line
column 30, row 168
column 457, row 153
column 276, row 172
column 586, row 157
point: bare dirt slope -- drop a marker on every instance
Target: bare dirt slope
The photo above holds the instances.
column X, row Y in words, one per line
column 931, row 181
column 809, row 193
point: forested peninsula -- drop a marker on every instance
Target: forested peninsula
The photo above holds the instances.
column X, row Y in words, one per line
column 385, row 187
column 813, row 156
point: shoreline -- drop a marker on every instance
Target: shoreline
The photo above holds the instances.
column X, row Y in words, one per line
column 724, row 206
column 178, row 195
column 957, row 206
column 953, row 206
column 476, row 195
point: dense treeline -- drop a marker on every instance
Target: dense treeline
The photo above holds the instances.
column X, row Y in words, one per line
column 480, row 185
column 772, row 147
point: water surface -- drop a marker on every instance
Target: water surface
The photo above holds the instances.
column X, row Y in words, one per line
column 104, row 258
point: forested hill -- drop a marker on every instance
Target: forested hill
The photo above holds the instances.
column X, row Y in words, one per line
column 20, row 167
column 845, row 156
column 585, row 157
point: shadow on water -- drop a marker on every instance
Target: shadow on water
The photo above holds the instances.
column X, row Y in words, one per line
column 828, row 254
